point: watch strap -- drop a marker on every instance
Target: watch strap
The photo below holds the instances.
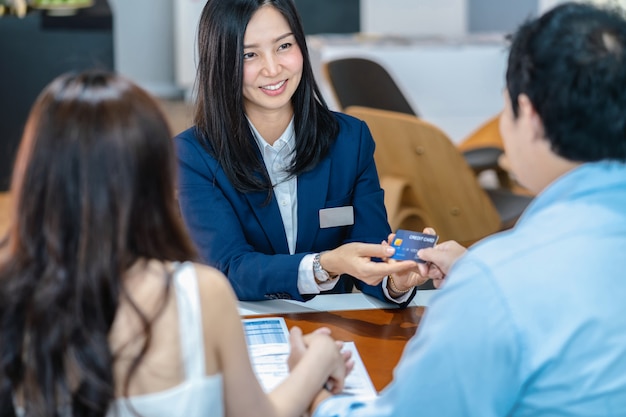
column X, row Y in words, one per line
column 320, row 274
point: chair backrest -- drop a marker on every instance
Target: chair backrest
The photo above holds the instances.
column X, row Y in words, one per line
column 363, row 82
column 421, row 161
column 486, row 135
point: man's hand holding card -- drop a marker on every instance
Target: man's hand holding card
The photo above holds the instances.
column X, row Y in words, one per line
column 407, row 243
column 434, row 260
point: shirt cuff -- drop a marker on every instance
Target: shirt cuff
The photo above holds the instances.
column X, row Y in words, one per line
column 404, row 297
column 306, row 279
column 345, row 405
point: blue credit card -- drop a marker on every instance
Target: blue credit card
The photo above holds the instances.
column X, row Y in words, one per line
column 407, row 243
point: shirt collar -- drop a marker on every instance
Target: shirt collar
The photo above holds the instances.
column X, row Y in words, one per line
column 586, row 179
column 288, row 138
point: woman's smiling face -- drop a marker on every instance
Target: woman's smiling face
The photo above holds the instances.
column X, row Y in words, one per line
column 273, row 63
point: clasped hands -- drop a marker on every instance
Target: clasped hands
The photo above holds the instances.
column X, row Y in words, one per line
column 336, row 363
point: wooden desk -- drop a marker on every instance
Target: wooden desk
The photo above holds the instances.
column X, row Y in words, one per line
column 379, row 334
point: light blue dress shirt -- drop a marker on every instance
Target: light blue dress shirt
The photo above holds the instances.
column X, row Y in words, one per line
column 531, row 322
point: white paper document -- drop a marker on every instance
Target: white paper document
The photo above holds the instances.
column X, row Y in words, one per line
column 268, row 347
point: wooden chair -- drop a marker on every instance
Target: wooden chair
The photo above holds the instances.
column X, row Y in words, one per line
column 359, row 81
column 482, row 141
column 427, row 181
column 485, row 135
column 363, row 82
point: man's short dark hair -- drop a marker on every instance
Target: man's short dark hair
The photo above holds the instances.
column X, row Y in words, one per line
column 571, row 63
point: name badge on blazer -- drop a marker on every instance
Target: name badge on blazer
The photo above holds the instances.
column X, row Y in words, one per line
column 336, row 216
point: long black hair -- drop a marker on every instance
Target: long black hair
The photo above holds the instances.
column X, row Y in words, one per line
column 94, row 189
column 219, row 117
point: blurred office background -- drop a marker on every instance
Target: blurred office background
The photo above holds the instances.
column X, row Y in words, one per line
column 153, row 43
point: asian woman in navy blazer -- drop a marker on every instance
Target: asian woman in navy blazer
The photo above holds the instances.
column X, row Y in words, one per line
column 266, row 160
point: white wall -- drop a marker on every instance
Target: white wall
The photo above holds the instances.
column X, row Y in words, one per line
column 548, row 4
column 545, row 5
column 186, row 17
column 155, row 39
column 414, row 17
column 143, row 44
column 401, row 17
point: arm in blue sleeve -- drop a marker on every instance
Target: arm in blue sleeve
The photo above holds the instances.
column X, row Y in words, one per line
column 463, row 361
column 216, row 216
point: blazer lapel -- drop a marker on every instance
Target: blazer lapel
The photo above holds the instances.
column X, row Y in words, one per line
column 268, row 216
column 312, row 190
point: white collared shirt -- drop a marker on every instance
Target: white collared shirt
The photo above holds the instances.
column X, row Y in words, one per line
column 277, row 159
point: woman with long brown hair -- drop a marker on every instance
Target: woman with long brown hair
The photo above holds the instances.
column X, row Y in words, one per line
column 100, row 310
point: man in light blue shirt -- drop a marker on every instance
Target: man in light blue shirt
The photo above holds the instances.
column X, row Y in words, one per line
column 532, row 321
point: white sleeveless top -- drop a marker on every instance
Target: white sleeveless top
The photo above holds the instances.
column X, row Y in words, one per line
column 199, row 395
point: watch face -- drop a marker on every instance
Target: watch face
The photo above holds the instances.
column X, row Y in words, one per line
column 320, row 274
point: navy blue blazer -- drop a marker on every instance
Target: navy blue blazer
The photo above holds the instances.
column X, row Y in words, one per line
column 244, row 237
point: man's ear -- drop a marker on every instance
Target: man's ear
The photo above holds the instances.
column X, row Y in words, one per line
column 530, row 115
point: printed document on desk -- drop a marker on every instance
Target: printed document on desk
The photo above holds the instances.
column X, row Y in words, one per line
column 268, row 347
